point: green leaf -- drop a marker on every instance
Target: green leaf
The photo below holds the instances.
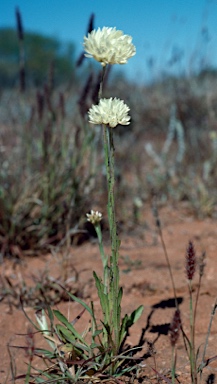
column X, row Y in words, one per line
column 128, row 321
column 45, row 352
column 70, row 339
column 97, row 332
column 123, row 329
column 68, row 325
column 65, row 334
column 125, row 370
column 50, row 314
column 135, row 315
column 102, row 296
column 39, row 380
column 94, row 345
column 73, row 297
column 120, row 295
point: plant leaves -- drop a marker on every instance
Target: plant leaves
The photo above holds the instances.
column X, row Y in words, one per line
column 128, row 321
column 50, row 314
column 135, row 315
column 123, row 329
column 64, row 334
column 68, row 325
column 104, row 301
column 73, row 297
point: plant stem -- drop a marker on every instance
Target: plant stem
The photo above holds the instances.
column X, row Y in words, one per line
column 192, row 346
column 104, row 258
column 101, row 82
column 202, row 365
column 114, row 301
column 158, row 225
column 196, row 302
column 173, row 368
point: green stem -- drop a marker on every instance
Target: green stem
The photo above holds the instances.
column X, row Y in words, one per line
column 169, row 266
column 173, row 368
column 111, row 272
column 114, row 270
column 115, row 244
column 160, row 232
column 192, row 346
column 104, row 258
column 196, row 302
column 101, row 82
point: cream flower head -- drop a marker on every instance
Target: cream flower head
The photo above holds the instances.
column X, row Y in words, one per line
column 109, row 112
column 94, row 217
column 109, row 46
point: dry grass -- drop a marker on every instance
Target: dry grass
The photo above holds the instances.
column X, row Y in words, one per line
column 49, row 169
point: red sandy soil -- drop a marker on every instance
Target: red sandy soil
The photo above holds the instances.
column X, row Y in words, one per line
column 145, row 280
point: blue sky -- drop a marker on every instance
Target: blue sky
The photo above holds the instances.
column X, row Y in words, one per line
column 162, row 30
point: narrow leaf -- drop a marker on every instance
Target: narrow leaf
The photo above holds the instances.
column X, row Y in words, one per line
column 67, row 335
column 135, row 315
column 73, row 297
column 120, row 295
column 64, row 320
column 123, row 329
column 102, row 296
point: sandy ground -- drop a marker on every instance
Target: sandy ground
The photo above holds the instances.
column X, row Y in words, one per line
column 145, row 280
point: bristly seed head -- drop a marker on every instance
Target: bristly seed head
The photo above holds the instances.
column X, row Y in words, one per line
column 175, row 328
column 151, row 351
column 202, row 263
column 190, row 261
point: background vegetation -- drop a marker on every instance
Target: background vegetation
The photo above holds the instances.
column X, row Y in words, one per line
column 52, row 173
column 41, row 53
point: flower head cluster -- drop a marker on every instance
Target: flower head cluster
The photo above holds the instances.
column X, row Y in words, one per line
column 94, row 217
column 109, row 46
column 109, row 112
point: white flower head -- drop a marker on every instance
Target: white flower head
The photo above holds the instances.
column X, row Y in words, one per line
column 109, row 112
column 94, row 217
column 109, row 46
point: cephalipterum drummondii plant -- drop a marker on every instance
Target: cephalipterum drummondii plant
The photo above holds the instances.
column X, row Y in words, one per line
column 110, row 46
column 104, row 354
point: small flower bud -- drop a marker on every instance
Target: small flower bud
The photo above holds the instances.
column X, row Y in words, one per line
column 94, row 217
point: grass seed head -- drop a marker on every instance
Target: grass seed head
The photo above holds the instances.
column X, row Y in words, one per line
column 175, row 328
column 20, row 33
column 202, row 264
column 190, row 261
